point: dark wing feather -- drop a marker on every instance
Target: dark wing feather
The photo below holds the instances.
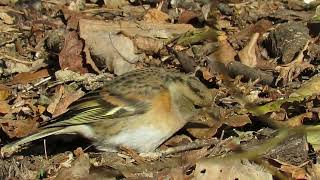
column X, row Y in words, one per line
column 94, row 107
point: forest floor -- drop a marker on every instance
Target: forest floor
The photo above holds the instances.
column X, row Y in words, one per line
column 259, row 58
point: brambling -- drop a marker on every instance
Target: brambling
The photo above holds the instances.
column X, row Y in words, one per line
column 138, row 110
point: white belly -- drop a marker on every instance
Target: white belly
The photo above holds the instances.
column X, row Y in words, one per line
column 143, row 139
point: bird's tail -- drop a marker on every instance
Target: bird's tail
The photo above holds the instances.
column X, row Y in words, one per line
column 13, row 147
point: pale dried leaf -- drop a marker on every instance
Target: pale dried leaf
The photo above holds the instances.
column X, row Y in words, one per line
column 248, row 54
column 115, row 51
column 230, row 170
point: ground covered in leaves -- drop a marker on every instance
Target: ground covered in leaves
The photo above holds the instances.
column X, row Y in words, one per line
column 260, row 58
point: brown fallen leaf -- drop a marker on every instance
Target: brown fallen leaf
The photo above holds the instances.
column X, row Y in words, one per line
column 70, row 56
column 4, row 107
column 56, row 99
column 69, row 97
column 177, row 140
column 19, row 128
column 261, row 27
column 41, row 109
column 147, row 44
column 111, row 43
column 79, row 169
column 78, row 152
column 225, row 54
column 205, row 132
column 4, row 92
column 295, row 171
column 211, row 123
column 156, row 16
column 28, row 77
column 186, row 16
column 206, row 73
column 237, row 120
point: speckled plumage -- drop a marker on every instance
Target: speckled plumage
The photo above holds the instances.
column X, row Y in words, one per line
column 139, row 110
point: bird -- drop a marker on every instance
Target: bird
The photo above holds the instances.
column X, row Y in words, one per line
column 139, row 110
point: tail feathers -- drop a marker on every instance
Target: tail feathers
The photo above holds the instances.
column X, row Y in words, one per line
column 13, row 147
column 43, row 133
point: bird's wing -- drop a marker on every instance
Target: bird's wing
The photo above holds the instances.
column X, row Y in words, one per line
column 100, row 105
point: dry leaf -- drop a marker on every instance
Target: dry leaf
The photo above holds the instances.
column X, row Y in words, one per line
column 205, row 132
column 19, row 128
column 28, row 77
column 69, row 97
column 90, row 61
column 186, row 16
column 115, row 4
column 78, row 170
column 70, row 56
column 237, row 120
column 206, row 73
column 178, row 140
column 248, row 54
column 261, row 27
column 225, row 54
column 57, row 97
column 4, row 92
column 148, row 45
column 211, row 123
column 41, row 109
column 4, row 107
column 206, row 125
column 229, row 170
column 115, row 51
column 156, row 16
column 295, row 171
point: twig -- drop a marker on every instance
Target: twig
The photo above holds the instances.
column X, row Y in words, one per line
column 193, row 145
column 222, row 135
column 45, row 149
column 15, row 59
column 101, row 10
column 38, row 83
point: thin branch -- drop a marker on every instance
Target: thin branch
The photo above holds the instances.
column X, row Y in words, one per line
column 193, row 145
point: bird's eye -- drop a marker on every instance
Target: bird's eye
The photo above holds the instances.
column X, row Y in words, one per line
column 197, row 107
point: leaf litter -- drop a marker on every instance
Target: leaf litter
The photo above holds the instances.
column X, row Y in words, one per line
column 260, row 58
